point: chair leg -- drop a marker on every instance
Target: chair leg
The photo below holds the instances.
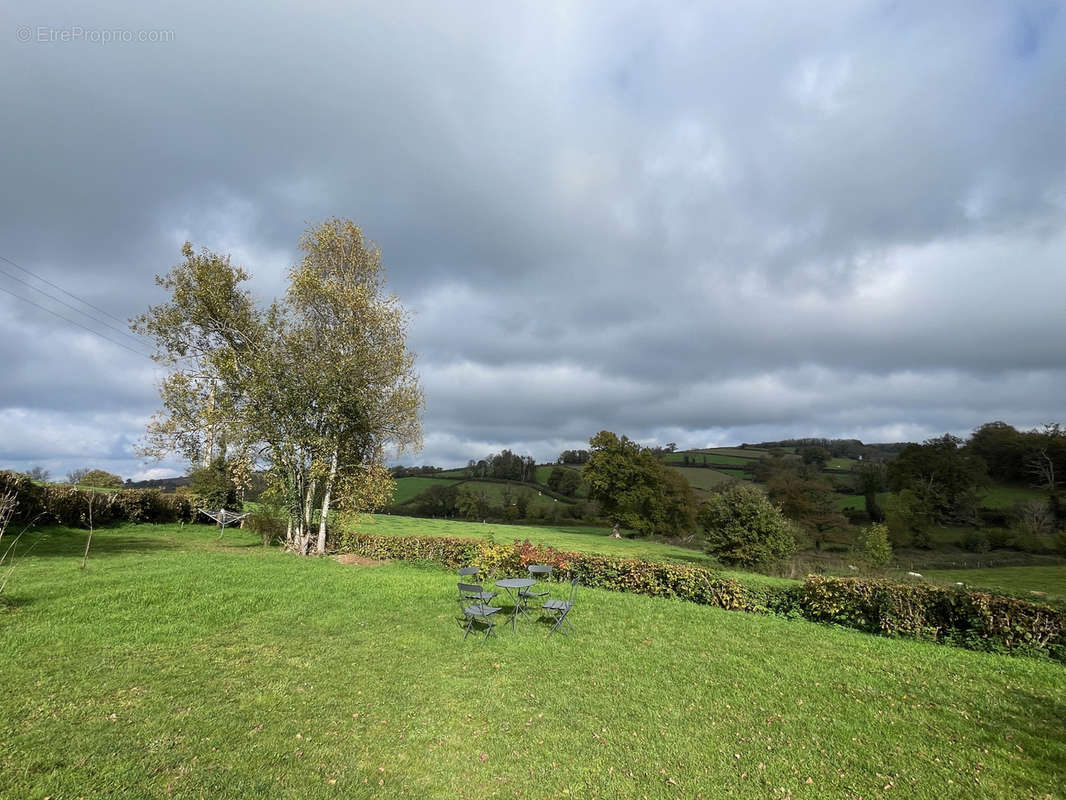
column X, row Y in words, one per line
column 560, row 616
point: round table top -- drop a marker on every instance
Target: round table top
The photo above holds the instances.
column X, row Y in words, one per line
column 515, row 583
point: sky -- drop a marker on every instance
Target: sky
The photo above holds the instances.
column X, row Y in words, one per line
column 700, row 223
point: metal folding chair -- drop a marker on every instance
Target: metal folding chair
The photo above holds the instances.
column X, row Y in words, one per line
column 560, row 609
column 536, row 572
column 477, row 612
column 482, row 596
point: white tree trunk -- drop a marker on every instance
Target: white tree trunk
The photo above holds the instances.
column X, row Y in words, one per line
column 304, row 530
column 325, row 502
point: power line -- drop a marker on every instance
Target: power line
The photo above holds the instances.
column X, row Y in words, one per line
column 74, row 322
column 60, row 288
column 68, row 305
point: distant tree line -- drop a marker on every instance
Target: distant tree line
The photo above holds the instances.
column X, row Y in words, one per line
column 504, row 465
column 414, row 472
column 838, row 448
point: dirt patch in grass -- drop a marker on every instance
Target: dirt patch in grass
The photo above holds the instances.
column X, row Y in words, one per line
column 353, row 560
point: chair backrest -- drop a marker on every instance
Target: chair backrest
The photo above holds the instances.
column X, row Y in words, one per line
column 539, row 569
column 465, row 600
column 573, row 590
column 465, row 571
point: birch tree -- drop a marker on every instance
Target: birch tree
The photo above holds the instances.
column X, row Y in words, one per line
column 317, row 387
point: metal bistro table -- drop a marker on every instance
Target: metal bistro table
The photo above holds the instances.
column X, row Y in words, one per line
column 512, row 585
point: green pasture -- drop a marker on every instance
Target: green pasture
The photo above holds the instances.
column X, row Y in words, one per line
column 544, row 471
column 1049, row 581
column 1001, row 496
column 178, row 666
column 410, row 488
column 745, row 452
column 705, row 479
column 712, row 457
column 841, row 463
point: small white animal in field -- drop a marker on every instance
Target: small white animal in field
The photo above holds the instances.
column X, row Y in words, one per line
column 914, row 574
column 853, row 568
column 959, row 583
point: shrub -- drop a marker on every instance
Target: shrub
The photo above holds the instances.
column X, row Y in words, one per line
column 875, row 546
column 742, row 527
column 268, row 523
column 976, row 541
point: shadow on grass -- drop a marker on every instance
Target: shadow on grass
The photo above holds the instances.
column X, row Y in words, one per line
column 68, row 543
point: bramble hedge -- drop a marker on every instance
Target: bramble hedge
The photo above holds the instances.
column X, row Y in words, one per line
column 974, row 620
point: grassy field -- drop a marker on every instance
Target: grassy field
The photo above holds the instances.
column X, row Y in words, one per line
column 178, row 666
column 1005, row 497
column 745, row 452
column 705, row 479
column 1020, row 581
column 841, row 463
column 410, row 488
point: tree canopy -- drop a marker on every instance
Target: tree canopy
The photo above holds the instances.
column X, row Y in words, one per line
column 315, row 387
column 635, row 489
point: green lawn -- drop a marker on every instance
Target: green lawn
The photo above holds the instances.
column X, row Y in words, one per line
column 175, row 666
column 1020, row 581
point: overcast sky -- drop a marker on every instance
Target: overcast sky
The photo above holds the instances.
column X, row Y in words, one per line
column 679, row 222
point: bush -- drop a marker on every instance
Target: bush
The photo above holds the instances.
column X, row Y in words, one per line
column 976, row 541
column 999, row 538
column 742, row 527
column 268, row 524
column 875, row 546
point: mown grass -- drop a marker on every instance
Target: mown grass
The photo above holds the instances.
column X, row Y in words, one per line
column 177, row 666
column 1019, row 581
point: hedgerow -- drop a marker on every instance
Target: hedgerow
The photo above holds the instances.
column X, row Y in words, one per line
column 53, row 504
column 974, row 620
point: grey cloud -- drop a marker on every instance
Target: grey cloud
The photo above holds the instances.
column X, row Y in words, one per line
column 693, row 222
